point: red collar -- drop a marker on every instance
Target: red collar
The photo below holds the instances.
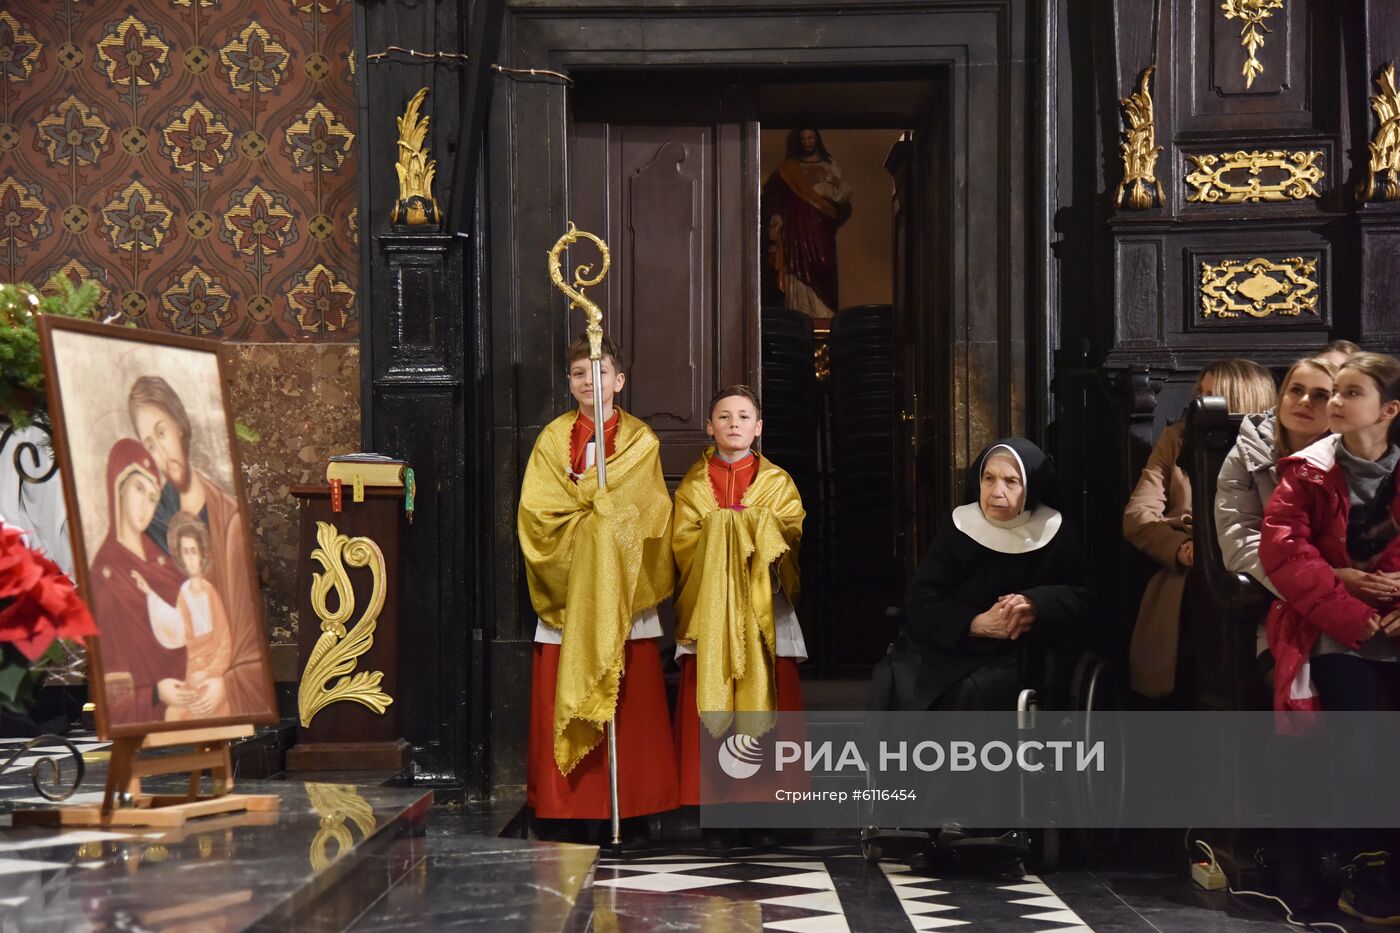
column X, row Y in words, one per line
column 743, row 463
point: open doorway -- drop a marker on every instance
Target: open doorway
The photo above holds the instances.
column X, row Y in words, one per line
column 677, row 173
column 828, row 373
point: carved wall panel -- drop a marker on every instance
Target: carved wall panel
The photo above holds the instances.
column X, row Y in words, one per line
column 1139, row 309
column 1214, row 89
column 1239, row 176
column 1260, row 291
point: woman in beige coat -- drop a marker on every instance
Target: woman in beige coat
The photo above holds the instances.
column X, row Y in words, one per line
column 1157, row 521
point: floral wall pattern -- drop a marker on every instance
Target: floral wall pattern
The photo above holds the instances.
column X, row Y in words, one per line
column 195, row 156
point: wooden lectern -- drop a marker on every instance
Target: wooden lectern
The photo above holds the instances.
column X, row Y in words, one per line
column 350, row 716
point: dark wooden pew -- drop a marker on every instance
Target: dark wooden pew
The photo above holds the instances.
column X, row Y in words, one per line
column 1222, row 609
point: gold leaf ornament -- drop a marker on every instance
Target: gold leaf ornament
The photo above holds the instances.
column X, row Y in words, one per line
column 1252, row 14
column 1382, row 182
column 1140, row 150
column 1210, row 176
column 1259, row 288
column 330, row 675
column 416, row 205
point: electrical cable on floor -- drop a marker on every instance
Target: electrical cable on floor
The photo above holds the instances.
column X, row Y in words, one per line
column 1288, row 911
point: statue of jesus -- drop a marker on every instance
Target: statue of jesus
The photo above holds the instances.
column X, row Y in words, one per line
column 804, row 202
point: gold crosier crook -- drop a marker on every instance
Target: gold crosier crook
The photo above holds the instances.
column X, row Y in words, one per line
column 583, row 279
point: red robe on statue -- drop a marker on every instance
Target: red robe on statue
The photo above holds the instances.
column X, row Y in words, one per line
column 646, row 771
column 729, row 481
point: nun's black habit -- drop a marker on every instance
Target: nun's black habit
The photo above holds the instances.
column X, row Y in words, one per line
column 972, row 562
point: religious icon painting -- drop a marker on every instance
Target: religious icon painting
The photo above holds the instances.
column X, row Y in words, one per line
column 159, row 524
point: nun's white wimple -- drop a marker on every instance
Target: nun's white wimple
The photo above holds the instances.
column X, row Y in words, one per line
column 1029, row 531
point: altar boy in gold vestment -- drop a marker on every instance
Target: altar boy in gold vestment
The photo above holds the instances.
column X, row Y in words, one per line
column 737, row 525
column 598, row 562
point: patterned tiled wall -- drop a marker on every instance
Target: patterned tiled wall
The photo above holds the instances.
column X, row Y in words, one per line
column 195, row 156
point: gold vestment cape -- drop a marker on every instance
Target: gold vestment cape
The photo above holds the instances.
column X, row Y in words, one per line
column 593, row 561
column 724, row 603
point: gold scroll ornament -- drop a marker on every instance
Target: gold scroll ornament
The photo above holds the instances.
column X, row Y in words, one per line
column 416, row 205
column 336, row 652
column 1382, row 181
column 1140, row 150
column 1212, row 186
column 1259, row 288
column 582, row 279
column 334, row 804
column 1252, row 13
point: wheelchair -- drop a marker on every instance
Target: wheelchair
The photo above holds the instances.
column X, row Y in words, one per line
column 1050, row 684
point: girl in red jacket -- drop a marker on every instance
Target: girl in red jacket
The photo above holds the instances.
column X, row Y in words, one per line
column 1330, row 544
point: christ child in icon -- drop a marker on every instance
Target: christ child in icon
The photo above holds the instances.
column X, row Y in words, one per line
column 198, row 621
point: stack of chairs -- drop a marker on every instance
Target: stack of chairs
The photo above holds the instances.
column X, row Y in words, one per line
column 791, row 400
column 863, row 436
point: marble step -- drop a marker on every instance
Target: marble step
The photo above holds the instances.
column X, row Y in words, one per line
column 328, row 853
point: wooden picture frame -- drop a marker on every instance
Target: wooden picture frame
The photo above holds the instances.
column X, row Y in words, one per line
column 95, row 405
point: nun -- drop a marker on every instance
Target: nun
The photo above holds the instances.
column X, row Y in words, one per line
column 1004, row 573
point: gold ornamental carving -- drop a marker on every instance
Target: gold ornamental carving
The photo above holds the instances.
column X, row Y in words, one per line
column 1259, row 288
column 334, row 804
column 1252, row 14
column 330, row 675
column 416, row 205
column 1212, row 184
column 1140, row 150
column 1383, row 176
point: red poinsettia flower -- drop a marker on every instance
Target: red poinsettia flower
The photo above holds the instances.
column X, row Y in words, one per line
column 39, row 601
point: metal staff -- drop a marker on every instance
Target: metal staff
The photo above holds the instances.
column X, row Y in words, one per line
column 583, row 278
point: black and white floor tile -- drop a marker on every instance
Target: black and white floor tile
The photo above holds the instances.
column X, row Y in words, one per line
column 829, row 889
column 944, row 903
column 789, row 890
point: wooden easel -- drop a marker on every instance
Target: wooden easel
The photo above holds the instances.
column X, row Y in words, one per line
column 127, row 767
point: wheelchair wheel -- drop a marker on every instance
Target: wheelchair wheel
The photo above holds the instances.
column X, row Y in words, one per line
column 1093, row 690
column 871, row 852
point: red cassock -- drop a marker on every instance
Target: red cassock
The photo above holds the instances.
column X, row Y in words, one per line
column 645, row 768
column 729, row 481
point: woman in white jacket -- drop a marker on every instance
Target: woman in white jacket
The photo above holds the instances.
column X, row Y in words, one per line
column 1249, row 473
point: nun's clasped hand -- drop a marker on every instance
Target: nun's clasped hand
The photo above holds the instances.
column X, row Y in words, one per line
column 1010, row 617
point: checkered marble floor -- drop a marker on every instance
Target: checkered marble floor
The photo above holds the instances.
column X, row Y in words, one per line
column 790, row 889
column 943, row 903
column 815, row 889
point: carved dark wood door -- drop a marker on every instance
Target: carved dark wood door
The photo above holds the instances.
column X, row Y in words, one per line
column 677, row 204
